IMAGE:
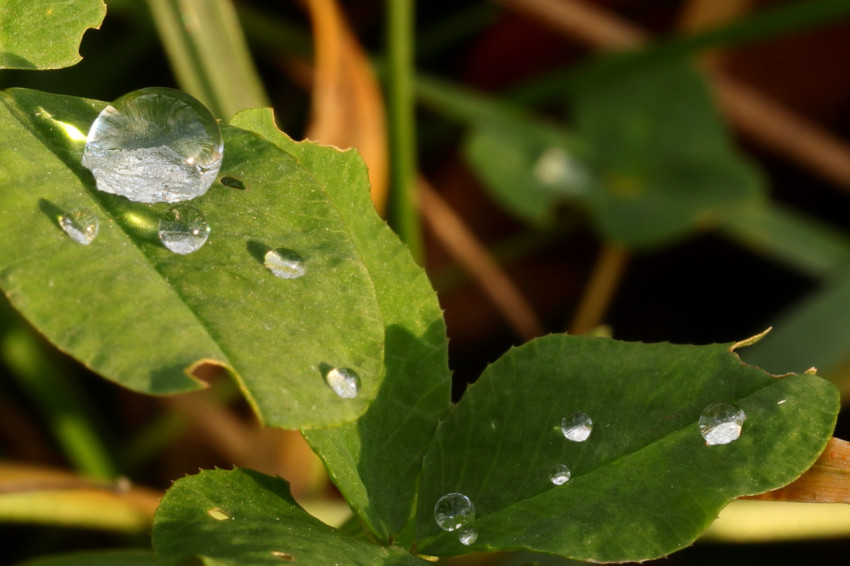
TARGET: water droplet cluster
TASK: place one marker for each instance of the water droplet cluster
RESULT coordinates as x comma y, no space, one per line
161,145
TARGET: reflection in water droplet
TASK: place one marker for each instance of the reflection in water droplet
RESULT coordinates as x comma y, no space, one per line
218,514
285,556
284,263
183,229
577,427
467,536
154,145
80,224
453,511
345,382
721,423
559,474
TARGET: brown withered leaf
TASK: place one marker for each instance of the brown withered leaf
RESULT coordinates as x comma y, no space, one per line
827,481
348,110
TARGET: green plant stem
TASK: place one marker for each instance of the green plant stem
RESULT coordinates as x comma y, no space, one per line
209,54
49,385
402,130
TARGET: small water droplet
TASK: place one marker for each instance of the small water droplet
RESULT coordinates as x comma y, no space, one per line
345,382
284,263
285,556
577,427
721,423
183,229
782,402
560,474
218,514
154,145
453,511
80,224
467,536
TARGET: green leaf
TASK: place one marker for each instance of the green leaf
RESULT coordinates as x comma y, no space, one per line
662,154
45,34
376,461
245,518
644,483
98,558
143,316
529,169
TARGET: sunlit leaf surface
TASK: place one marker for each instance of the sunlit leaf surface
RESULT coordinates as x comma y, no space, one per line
143,316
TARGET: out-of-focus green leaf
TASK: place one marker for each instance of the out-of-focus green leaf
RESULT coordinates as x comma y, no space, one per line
143,316
661,153
782,18
645,483
245,518
801,242
98,558
45,34
529,169
376,461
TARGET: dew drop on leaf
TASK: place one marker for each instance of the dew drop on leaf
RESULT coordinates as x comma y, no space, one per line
218,514
154,145
453,511
80,224
559,475
468,536
284,263
344,382
721,423
183,229
577,427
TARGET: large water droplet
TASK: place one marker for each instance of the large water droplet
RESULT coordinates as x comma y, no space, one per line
453,511
559,475
218,514
577,427
345,382
183,229
284,263
154,145
721,423
80,224
467,536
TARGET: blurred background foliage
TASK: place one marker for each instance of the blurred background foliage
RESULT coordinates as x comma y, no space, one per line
654,170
